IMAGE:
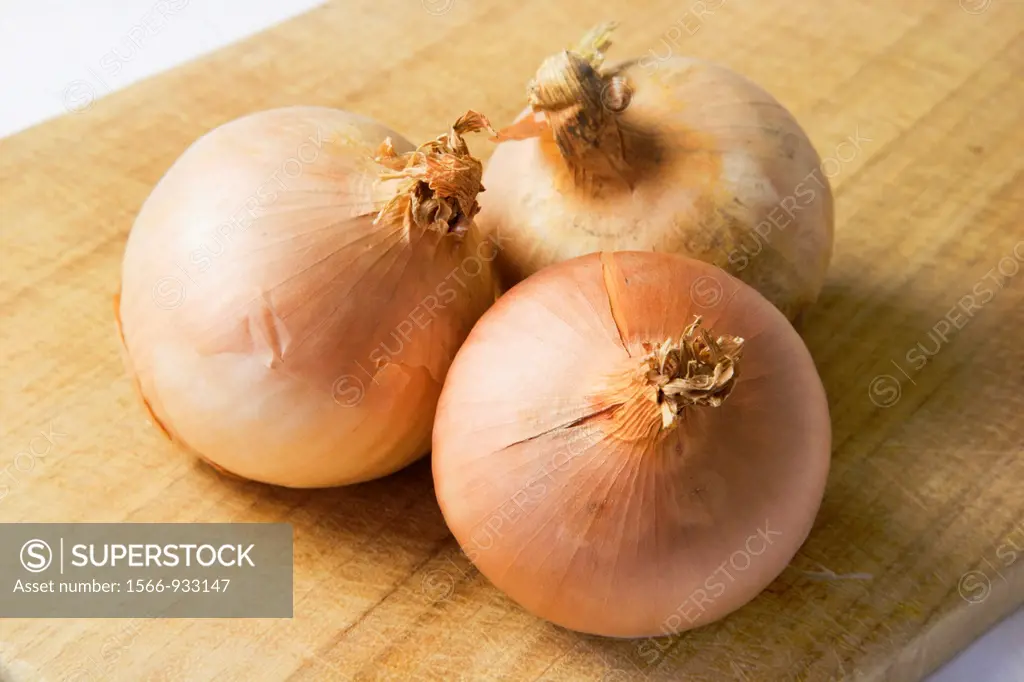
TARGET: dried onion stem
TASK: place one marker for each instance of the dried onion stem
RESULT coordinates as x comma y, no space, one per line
697,370
442,179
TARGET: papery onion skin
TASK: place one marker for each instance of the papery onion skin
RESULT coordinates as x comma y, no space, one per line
305,346
558,480
694,159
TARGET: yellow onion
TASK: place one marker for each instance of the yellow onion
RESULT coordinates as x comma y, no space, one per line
624,458
679,155
295,288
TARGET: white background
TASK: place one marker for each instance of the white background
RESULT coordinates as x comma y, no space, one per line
50,61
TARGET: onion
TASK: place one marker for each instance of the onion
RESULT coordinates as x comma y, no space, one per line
295,288
615,467
680,155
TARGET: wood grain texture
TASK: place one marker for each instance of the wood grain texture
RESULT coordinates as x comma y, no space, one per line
928,461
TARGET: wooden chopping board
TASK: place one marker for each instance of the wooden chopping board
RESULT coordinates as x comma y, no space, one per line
916,105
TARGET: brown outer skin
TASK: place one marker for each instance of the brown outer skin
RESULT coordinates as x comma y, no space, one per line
714,155
551,472
266,362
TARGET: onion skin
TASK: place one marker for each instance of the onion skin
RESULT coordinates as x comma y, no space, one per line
268,346
699,161
556,476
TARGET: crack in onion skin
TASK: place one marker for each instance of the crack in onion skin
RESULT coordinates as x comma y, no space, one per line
559,479
275,310
680,156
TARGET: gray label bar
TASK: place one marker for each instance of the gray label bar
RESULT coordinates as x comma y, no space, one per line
145,570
